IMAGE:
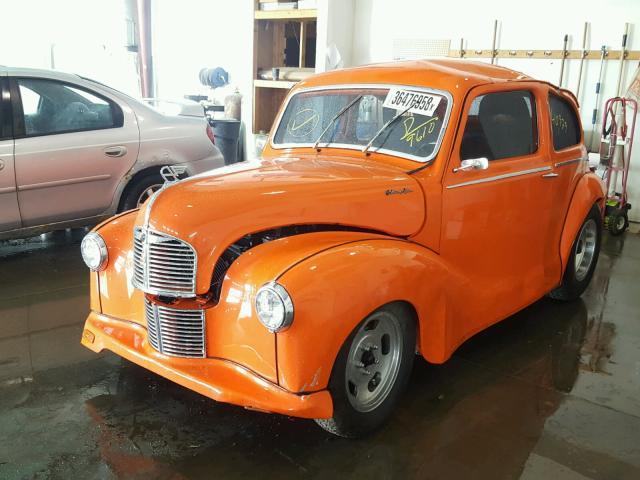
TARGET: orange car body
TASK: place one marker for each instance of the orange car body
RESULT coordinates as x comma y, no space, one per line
465,249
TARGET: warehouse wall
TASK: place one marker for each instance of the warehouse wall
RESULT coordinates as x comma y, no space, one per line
87,37
538,25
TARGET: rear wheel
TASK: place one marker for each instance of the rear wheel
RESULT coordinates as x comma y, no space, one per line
140,191
617,221
583,259
371,371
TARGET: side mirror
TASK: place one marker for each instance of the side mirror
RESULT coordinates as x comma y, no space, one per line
472,164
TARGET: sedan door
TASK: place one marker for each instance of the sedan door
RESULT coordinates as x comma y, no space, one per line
73,146
9,211
498,228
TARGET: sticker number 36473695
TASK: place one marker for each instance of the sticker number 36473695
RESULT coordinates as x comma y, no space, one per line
420,103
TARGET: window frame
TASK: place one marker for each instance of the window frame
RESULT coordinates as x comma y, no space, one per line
535,116
6,114
576,117
18,114
351,86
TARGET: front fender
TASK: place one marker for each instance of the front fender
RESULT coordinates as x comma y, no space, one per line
589,190
335,289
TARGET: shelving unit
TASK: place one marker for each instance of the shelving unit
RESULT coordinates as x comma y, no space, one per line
283,39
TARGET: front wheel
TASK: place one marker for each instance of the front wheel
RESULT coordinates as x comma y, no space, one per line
371,371
583,259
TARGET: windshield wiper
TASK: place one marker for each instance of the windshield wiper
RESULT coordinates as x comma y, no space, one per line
383,128
335,117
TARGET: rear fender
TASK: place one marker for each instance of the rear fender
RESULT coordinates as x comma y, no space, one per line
336,289
588,192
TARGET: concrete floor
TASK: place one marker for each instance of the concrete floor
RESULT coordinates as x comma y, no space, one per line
552,392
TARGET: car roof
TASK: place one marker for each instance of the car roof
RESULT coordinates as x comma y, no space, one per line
446,74
39,72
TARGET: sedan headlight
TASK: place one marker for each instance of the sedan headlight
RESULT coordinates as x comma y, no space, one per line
94,251
274,307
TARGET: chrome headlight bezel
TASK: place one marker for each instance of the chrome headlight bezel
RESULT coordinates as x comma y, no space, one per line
94,240
280,294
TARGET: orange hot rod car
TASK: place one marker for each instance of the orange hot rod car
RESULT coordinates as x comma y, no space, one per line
397,209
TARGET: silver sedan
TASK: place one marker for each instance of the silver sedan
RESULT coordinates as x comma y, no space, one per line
74,151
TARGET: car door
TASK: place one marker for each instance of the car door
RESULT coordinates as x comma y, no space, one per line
73,145
496,220
9,211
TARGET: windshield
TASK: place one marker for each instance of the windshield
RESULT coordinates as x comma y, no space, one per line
416,134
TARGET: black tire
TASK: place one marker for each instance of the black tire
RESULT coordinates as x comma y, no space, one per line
349,422
573,284
617,221
132,192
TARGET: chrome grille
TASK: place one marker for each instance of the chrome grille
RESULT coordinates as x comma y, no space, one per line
178,333
162,264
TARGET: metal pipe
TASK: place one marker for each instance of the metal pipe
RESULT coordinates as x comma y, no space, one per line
594,117
584,54
564,57
493,45
623,52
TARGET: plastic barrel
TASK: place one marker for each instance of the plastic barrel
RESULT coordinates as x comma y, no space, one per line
227,133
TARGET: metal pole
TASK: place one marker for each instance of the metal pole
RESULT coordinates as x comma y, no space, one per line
564,57
594,117
584,54
493,46
623,55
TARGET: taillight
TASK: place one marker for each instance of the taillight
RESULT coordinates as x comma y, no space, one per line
210,134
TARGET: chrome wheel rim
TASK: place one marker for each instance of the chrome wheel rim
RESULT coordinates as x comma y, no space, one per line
585,249
147,192
373,362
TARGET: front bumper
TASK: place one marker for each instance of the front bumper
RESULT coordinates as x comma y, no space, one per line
219,379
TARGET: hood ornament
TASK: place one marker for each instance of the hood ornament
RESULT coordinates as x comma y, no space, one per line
171,173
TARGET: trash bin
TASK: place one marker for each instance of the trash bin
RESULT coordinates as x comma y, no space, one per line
227,134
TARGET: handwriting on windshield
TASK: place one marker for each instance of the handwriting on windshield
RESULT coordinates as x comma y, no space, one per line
559,122
303,122
416,134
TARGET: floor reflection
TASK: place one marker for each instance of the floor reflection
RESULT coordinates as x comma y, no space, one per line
554,387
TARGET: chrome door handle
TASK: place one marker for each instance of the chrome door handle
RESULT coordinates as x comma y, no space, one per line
550,175
115,151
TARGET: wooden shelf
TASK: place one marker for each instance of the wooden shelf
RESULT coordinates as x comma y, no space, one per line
274,83
293,14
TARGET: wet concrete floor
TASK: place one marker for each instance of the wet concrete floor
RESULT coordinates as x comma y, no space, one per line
551,393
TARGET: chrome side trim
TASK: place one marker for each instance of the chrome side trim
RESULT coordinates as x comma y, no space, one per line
7,189
500,177
569,162
59,183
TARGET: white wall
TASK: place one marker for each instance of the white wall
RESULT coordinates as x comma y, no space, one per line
537,25
87,37
195,34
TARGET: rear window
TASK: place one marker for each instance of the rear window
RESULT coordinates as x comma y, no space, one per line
415,134
565,125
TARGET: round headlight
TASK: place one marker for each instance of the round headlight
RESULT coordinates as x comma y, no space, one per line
94,251
274,307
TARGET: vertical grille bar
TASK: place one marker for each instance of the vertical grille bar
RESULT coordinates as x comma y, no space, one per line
174,332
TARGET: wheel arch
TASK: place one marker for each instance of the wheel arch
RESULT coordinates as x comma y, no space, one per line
333,294
130,182
589,192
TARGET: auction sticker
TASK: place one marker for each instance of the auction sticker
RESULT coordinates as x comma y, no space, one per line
417,102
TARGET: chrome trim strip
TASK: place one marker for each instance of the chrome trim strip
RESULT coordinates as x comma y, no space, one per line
500,177
58,183
569,162
394,153
7,189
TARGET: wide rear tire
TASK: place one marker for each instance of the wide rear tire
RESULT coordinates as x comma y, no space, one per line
583,259
371,371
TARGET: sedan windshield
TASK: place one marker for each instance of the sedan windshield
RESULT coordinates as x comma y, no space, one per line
367,124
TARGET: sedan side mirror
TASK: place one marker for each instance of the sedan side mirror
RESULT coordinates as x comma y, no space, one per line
481,163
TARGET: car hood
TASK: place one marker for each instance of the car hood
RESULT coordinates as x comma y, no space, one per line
213,210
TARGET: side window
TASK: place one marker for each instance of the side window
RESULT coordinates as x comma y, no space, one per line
501,125
565,125
51,107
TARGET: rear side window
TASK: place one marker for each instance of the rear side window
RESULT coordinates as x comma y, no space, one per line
51,107
501,125
565,126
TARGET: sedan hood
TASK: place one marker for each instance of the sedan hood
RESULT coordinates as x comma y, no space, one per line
211,211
